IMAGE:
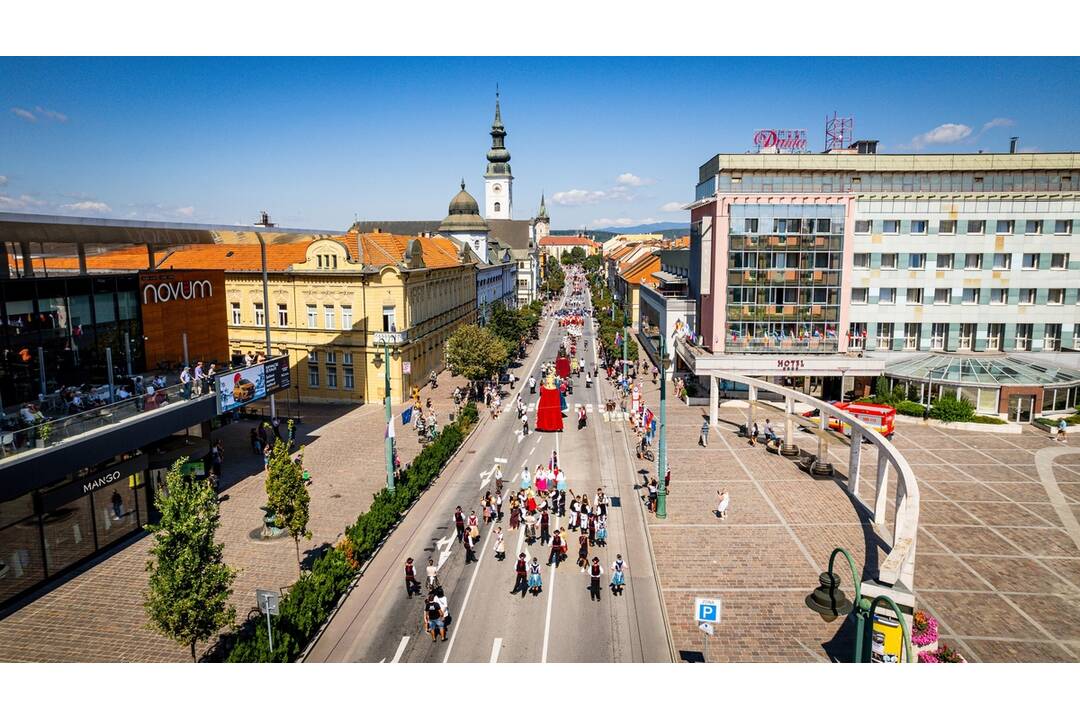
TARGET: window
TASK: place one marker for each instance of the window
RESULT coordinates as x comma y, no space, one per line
1005,227
890,227
888,261
861,260
858,296
944,261
973,261
328,317
235,313
856,335
823,225
971,296
1023,336
1027,296
750,226
976,227
918,227
967,336
1055,296
1076,337
498,207
1059,261
939,336
917,261
347,367
282,315
1031,261
1002,261
1033,227
862,227
887,296
313,369
914,296
1062,227
947,227
388,324
884,335
942,296
346,317
260,316
312,316
995,336
331,368
911,336
997,296
1052,337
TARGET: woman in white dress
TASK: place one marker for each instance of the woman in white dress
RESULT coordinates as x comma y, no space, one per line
723,499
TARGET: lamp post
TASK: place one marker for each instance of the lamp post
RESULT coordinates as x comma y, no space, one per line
661,460
265,223
387,339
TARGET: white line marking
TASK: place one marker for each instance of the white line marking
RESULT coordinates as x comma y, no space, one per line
445,552
382,661
502,461
539,439
495,647
550,590
532,451
400,649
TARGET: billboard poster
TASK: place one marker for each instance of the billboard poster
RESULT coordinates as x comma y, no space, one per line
277,374
236,388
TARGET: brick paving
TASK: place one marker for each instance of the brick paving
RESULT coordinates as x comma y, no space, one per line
994,562
97,615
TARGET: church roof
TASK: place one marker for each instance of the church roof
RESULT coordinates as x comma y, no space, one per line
512,233
464,214
498,156
542,215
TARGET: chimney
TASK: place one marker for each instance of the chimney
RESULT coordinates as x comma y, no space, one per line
1012,144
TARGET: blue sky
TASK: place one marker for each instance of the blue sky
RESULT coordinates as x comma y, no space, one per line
610,140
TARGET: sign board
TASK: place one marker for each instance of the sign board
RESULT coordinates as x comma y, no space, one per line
388,338
706,628
790,140
93,481
236,388
886,640
406,367
278,376
268,601
707,610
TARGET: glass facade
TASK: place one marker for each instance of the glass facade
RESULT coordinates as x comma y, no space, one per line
832,182
785,269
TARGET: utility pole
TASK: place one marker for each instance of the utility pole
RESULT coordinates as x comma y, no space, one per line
389,418
661,459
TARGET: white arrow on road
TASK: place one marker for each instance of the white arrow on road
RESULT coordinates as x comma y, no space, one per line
444,554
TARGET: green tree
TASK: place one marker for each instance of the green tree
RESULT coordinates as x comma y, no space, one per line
190,584
287,495
565,257
577,256
592,264
475,352
554,277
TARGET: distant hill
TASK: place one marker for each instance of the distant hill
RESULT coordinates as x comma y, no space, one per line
679,228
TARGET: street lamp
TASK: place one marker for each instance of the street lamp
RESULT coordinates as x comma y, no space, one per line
661,467
388,339
828,600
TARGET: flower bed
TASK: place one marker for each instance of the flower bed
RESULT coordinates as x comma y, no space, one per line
944,654
924,632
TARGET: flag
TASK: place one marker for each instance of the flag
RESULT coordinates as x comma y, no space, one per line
390,428
406,417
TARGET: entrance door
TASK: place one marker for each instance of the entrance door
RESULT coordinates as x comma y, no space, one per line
1020,408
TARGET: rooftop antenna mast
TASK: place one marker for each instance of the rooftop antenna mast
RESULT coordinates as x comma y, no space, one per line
839,132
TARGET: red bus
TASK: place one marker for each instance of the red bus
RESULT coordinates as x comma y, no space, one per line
880,417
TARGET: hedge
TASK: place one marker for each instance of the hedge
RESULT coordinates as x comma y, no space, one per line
311,599
988,420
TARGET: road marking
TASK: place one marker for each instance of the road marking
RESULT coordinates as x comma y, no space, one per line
495,647
550,590
538,439
400,649
485,477
444,554
382,661
532,451
501,461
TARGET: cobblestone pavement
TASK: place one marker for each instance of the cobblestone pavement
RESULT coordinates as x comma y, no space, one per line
994,562
97,615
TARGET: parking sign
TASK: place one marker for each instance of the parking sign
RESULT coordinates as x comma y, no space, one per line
707,610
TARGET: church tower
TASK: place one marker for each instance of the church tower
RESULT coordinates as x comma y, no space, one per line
542,223
498,182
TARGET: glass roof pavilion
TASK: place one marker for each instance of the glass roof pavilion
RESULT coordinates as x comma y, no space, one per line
987,371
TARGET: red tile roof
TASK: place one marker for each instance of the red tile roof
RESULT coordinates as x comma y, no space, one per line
550,240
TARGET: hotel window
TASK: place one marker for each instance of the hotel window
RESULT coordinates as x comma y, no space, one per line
282,315
858,296
1062,227
998,296
1027,296
995,336
388,324
939,336
1076,337
890,227
331,368
1031,261
1059,261
312,316
914,296
1005,227
862,227
942,296
861,261
916,261
971,296
967,336
235,313
1023,336
888,261
260,316
1002,261
346,317
944,261
976,227
347,367
1052,336
973,261
946,227
1055,296
918,227
887,296
328,316
857,335
750,226
313,369
1033,227
911,335
884,335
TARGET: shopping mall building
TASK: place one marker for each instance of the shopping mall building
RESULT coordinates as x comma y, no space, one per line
950,273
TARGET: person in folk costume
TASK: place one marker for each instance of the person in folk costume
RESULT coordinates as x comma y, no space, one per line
487,508
581,419
524,425
583,514
411,584
545,527
601,530
473,521
560,485
515,514
498,480
596,570
618,579
530,504
601,502
521,572
459,524
541,481
526,481
575,509
592,529
470,546
432,574
583,552
498,507
562,503
536,581
555,556
500,544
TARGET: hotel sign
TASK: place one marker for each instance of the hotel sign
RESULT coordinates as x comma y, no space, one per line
177,290
791,140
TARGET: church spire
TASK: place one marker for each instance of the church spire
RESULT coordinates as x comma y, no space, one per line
542,215
498,156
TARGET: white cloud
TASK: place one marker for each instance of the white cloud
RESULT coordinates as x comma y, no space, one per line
632,180
673,206
946,134
185,211
23,202
24,114
578,197
3,180
87,206
998,122
52,114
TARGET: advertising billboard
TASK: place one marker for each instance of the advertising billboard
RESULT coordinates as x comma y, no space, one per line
236,388
277,374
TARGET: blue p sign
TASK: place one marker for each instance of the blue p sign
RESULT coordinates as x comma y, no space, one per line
707,610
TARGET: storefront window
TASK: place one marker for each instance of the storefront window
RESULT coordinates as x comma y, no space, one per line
988,401
116,510
21,563
69,534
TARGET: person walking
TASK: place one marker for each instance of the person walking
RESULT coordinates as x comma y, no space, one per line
536,580
498,507
524,425
592,529
618,579
185,378
596,570
703,439
515,514
723,500
1062,427
470,546
432,574
433,615
200,378
411,585
473,521
500,544
556,549
498,482
526,481
583,552
459,523
601,531
545,526
521,572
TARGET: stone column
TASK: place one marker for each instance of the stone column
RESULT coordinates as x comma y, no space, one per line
853,461
751,398
714,399
788,448
880,488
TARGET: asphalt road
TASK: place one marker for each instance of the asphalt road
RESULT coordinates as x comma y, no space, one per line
378,623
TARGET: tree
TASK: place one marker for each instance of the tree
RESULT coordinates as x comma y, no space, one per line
565,257
554,277
190,583
577,256
287,496
475,352
592,264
